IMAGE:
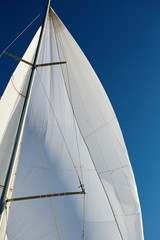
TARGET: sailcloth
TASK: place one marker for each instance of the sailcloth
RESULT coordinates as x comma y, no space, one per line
72,140
11,105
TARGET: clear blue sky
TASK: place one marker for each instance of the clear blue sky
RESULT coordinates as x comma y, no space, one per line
121,39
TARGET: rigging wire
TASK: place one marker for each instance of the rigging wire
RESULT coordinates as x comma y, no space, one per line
20,34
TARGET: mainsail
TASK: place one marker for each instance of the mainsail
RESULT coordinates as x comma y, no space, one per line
71,142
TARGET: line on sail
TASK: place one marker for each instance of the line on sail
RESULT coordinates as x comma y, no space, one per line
79,157
1,186
114,169
45,171
12,78
81,183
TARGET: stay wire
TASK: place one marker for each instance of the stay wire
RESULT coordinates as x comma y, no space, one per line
19,34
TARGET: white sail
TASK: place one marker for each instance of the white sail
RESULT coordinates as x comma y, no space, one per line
72,136
11,105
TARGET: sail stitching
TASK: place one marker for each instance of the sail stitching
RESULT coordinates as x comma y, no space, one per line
45,170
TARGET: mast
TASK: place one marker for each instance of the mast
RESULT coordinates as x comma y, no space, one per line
22,119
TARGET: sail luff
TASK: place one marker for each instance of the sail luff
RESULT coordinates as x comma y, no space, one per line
17,144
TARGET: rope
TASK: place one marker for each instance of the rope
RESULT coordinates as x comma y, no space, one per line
19,35
45,171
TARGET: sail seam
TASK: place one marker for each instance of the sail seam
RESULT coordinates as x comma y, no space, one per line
114,169
100,127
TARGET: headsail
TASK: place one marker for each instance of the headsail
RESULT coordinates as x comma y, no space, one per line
11,105
72,139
